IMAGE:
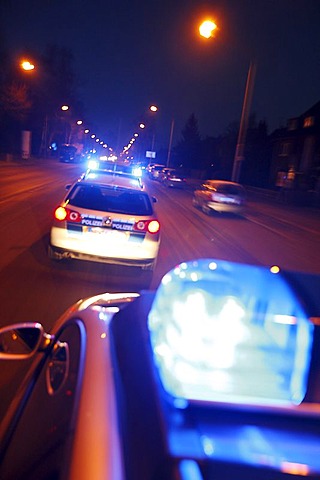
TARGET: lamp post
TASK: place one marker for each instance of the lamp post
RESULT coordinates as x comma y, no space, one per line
239,153
170,142
153,108
27,67
67,123
207,29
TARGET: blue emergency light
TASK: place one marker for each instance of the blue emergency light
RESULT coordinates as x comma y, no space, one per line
230,333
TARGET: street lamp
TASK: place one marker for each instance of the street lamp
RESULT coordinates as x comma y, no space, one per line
27,66
206,30
153,108
239,153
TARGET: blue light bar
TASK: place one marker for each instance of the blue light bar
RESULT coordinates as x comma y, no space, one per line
231,333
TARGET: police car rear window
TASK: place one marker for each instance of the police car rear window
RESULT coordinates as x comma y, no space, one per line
110,199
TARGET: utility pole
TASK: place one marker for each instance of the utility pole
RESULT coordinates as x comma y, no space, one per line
239,154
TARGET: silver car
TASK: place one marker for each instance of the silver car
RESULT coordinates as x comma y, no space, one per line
220,196
213,376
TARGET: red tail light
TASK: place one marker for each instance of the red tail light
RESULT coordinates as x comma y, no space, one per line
62,213
151,226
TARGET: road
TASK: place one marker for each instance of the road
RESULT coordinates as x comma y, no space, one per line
33,288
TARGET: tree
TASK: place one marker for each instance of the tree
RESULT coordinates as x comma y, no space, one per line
225,150
188,151
15,101
256,166
34,102
57,88
15,105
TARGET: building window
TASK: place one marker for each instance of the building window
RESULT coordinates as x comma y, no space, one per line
292,124
308,122
284,149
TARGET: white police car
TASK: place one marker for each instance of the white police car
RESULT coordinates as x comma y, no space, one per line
106,217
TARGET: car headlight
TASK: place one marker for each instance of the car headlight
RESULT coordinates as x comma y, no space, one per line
93,164
137,171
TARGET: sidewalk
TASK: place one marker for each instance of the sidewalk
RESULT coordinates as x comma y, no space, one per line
12,160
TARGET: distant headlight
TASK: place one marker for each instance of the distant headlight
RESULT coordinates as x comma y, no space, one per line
137,171
93,164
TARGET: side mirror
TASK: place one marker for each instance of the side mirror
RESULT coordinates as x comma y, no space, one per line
22,340
68,186
154,200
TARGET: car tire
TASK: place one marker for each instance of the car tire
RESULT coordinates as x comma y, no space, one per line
206,209
53,255
195,202
145,279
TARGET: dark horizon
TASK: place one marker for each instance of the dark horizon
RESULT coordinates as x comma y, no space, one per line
127,57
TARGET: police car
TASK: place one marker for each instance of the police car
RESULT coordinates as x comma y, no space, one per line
106,217
215,376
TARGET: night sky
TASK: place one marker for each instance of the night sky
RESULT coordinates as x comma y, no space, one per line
131,54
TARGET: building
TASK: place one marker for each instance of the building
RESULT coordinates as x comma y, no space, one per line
297,148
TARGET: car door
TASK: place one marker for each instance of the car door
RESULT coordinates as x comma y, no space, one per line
39,443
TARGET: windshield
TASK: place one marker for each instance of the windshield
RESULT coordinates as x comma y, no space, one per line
110,199
229,189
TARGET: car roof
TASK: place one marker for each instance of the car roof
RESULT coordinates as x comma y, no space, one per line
223,182
110,177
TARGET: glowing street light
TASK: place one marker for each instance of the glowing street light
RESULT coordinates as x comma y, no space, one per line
65,108
27,66
207,28
153,108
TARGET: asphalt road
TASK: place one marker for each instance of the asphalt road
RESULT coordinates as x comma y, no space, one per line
33,288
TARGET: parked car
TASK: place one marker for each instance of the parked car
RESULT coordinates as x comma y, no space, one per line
174,178
163,173
215,376
106,217
220,196
156,171
68,154
149,167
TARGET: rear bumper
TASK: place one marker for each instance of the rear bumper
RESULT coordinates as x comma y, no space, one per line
62,254
96,248
225,207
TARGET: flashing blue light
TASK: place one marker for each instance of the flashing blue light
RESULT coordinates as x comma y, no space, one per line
93,164
137,171
227,332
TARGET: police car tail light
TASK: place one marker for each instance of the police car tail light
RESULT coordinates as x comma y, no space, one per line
151,226
62,213
230,333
